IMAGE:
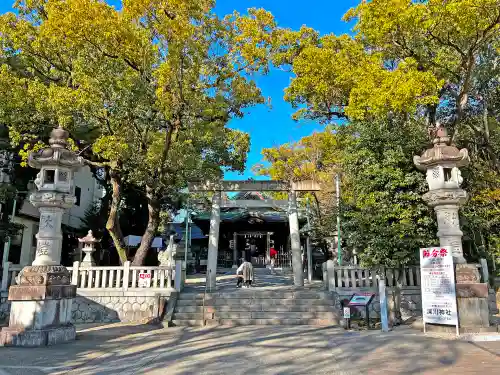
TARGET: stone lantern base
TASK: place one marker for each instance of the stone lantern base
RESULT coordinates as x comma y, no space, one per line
40,312
472,297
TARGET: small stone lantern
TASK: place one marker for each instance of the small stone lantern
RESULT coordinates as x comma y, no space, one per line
40,311
88,248
441,164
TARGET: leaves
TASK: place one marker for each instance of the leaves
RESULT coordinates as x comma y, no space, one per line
146,91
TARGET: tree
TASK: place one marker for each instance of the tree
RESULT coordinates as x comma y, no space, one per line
385,218
146,91
316,157
408,62
408,58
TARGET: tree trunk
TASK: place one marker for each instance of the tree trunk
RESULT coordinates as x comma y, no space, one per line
113,223
152,227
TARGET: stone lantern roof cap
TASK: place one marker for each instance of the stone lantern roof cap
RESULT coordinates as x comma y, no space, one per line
443,152
89,238
57,154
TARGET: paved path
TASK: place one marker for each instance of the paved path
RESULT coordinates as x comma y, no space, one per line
128,350
263,280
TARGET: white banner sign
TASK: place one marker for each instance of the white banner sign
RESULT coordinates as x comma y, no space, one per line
439,301
144,280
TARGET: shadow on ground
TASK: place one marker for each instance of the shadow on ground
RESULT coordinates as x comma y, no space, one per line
249,350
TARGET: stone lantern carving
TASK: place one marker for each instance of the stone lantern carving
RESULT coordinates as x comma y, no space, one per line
441,164
41,304
88,248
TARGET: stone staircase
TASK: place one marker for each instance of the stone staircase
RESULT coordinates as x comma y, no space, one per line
255,306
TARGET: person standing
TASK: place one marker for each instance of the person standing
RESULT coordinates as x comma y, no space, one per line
272,254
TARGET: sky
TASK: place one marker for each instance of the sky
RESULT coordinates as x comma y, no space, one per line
273,126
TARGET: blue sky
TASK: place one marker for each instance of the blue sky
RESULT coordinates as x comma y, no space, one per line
273,126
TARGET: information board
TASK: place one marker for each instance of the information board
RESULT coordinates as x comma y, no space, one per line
144,280
439,301
362,299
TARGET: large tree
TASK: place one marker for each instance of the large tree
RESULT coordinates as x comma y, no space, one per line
407,63
146,91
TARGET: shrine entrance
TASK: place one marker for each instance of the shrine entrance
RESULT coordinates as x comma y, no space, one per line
248,225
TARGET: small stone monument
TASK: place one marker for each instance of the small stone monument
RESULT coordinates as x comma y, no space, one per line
442,163
88,248
41,304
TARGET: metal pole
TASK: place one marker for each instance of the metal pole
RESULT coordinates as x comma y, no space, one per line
339,238
6,246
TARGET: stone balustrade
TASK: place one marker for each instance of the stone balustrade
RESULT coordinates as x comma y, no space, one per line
347,280
122,278
349,277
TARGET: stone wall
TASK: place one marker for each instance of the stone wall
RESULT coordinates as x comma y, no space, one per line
4,308
102,306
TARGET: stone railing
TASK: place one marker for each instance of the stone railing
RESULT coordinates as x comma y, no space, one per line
347,280
122,278
9,274
355,277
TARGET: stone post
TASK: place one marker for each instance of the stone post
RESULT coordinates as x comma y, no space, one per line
309,258
41,304
213,240
441,164
268,249
235,250
293,218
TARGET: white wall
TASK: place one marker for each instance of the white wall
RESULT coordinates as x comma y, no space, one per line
90,193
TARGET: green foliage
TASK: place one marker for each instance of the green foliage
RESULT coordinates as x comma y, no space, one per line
409,65
385,218
146,91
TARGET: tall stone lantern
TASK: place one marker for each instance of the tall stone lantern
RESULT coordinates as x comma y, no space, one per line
441,164
41,304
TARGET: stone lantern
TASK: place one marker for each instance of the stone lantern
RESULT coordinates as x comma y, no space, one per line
88,248
441,164
41,304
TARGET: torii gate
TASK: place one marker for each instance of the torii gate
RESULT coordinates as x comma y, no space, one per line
232,186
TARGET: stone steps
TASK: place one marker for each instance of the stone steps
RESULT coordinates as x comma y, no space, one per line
274,315
271,302
257,307
192,322
252,294
274,321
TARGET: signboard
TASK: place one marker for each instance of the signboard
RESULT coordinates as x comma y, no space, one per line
362,299
439,301
347,313
144,280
